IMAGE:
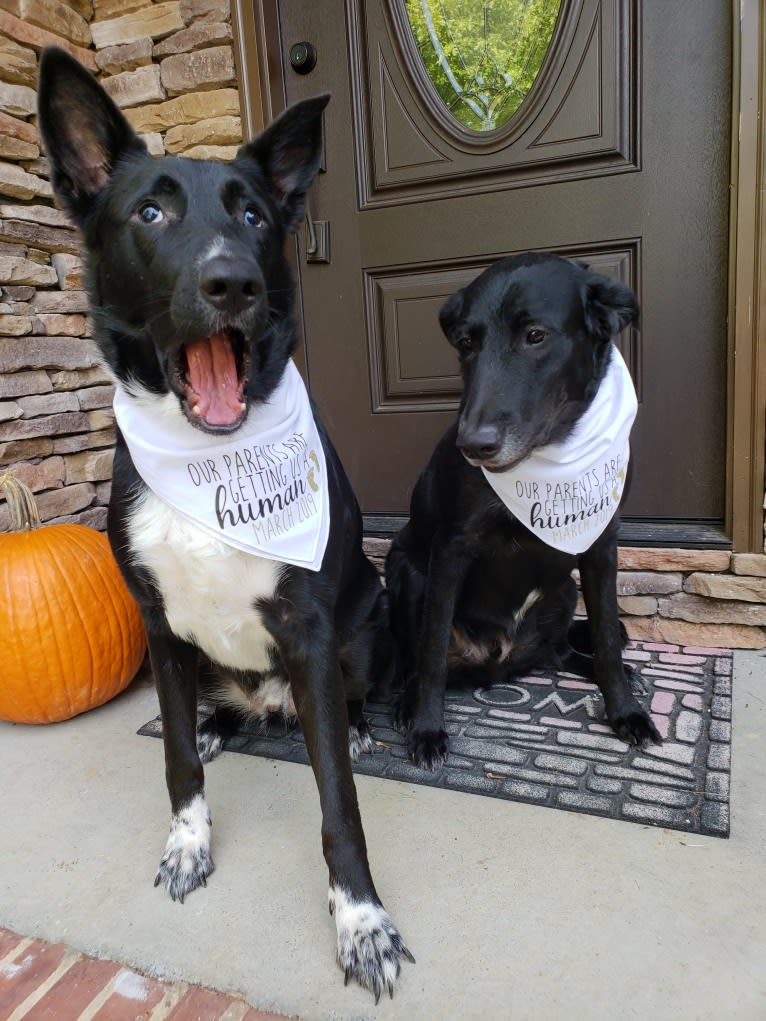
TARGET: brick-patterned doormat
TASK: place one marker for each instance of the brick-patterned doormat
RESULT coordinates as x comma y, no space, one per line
543,739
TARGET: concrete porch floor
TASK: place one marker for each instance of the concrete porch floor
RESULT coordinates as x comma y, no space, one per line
512,911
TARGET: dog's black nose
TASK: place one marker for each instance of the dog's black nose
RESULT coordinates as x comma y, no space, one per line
229,285
479,444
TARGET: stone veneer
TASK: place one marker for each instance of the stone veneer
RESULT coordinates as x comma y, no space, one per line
709,598
170,67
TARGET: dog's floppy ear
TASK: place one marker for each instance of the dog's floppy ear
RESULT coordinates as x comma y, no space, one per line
289,152
450,313
609,307
83,131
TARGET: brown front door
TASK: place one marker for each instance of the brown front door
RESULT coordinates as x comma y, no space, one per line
617,154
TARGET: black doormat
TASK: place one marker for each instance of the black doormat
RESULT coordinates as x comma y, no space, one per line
543,739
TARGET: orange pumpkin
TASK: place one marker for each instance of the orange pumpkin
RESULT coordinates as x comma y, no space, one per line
70,632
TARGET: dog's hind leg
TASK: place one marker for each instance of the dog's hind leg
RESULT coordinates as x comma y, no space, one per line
369,946
186,863
598,574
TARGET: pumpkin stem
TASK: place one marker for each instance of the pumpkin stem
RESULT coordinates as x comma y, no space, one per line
21,504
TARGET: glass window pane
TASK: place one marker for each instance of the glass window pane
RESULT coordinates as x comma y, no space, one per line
482,55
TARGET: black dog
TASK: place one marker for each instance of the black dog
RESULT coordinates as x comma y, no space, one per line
476,595
191,296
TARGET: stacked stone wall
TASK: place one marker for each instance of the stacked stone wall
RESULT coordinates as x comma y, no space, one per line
687,597
170,67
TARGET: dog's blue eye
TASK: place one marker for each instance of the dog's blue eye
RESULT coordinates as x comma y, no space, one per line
253,218
536,336
150,213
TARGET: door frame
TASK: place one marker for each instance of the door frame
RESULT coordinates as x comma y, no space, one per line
257,53
746,413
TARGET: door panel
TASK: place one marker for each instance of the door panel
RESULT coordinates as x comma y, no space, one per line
424,376
578,118
618,156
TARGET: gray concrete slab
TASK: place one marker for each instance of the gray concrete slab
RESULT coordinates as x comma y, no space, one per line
512,911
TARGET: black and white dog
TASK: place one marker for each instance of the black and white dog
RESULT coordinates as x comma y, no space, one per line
524,487
231,517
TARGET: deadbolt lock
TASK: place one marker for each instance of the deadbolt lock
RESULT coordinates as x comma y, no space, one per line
303,57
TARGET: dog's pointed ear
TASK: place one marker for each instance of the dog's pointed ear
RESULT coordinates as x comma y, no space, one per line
289,152
609,307
84,133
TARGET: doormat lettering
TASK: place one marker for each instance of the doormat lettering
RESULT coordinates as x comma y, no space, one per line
543,739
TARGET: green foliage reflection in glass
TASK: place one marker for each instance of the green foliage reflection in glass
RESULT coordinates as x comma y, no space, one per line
483,57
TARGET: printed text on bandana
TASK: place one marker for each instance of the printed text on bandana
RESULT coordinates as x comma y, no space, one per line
568,509
270,486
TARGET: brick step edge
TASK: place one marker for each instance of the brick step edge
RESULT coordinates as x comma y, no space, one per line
40,980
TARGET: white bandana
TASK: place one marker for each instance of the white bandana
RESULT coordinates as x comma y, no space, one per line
567,493
263,489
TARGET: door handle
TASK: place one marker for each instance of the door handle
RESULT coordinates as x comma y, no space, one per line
317,238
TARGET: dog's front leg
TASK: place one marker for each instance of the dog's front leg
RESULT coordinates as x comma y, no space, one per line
598,574
427,740
369,945
186,863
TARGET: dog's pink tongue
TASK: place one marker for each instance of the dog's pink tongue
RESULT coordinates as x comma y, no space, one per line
212,370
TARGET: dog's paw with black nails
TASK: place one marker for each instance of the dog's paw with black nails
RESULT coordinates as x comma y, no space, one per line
187,863
404,711
182,872
209,745
634,680
428,748
370,949
636,728
360,740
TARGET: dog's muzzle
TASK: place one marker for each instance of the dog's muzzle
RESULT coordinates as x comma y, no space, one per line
479,444
230,284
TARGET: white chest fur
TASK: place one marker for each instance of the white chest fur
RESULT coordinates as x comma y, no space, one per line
209,588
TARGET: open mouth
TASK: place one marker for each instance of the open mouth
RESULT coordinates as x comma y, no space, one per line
211,375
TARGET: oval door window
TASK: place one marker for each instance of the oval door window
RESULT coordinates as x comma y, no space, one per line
482,57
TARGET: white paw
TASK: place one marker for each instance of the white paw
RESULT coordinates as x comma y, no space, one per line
370,948
186,863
